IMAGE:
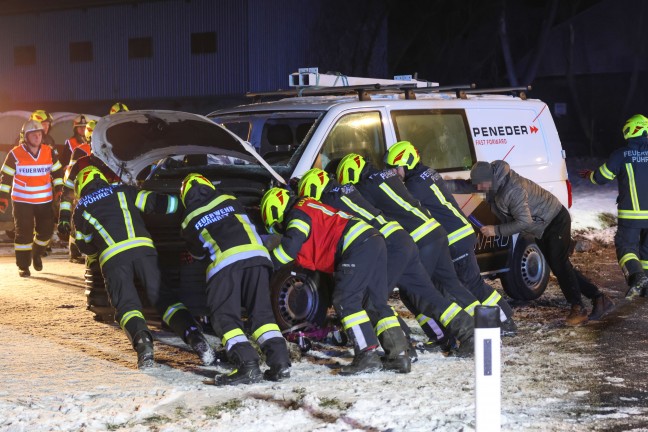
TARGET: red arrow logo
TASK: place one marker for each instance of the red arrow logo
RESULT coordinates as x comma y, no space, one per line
533,129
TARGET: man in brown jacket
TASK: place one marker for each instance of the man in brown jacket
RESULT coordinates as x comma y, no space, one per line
525,207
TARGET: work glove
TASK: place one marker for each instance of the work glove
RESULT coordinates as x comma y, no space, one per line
64,228
584,173
4,203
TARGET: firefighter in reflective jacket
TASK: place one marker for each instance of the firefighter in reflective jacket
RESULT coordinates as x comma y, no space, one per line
629,165
404,268
82,157
77,139
216,227
384,190
31,175
110,229
320,238
428,187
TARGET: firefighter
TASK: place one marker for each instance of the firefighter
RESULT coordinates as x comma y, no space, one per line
46,121
217,229
77,139
318,237
429,188
117,107
80,158
31,175
384,190
110,230
525,207
629,165
404,268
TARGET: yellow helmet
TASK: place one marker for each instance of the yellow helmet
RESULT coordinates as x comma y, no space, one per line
117,107
89,128
188,181
41,116
273,207
350,167
85,176
404,154
312,183
636,126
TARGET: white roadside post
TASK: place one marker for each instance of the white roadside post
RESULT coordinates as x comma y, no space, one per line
487,369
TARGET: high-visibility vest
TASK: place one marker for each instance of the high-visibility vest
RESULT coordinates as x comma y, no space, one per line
32,179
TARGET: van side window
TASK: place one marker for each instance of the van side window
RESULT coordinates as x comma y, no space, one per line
360,133
442,137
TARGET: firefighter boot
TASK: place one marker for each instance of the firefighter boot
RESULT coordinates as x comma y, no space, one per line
277,358
462,328
365,361
396,349
411,351
37,256
638,282
247,371
195,338
143,344
184,325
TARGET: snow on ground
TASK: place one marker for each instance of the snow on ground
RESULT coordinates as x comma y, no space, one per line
63,371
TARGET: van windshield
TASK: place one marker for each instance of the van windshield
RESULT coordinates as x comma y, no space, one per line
276,135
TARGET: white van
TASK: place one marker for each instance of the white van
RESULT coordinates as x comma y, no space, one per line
452,128
267,144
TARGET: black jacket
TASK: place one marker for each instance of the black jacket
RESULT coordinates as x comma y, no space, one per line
109,225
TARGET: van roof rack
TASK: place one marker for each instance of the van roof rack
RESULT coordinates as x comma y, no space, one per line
519,91
362,91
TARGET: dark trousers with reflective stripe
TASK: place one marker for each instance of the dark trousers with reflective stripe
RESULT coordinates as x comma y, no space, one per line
30,219
404,269
435,257
242,285
627,240
120,284
361,284
468,272
555,245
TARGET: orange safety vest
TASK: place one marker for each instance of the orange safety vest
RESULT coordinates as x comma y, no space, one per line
73,143
32,182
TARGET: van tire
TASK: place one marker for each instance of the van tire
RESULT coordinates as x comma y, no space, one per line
299,297
528,276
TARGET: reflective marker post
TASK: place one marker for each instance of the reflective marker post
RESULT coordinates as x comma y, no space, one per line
487,369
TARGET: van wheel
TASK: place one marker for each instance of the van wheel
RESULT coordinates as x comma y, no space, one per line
299,298
528,276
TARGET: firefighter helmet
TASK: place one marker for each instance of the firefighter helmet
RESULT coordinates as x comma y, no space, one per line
312,183
636,126
79,121
30,126
350,168
85,176
117,107
189,181
89,128
273,207
404,154
41,116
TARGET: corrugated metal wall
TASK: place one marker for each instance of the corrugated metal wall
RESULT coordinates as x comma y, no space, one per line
259,42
